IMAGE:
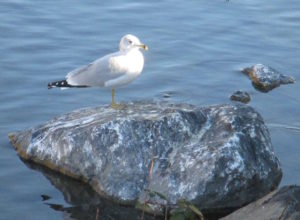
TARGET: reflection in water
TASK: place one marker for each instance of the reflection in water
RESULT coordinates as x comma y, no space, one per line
84,202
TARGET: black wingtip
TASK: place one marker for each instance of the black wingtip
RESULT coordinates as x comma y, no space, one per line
50,86
63,84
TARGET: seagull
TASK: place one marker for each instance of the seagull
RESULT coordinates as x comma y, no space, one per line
113,70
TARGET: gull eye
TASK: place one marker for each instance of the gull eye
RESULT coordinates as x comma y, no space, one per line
130,41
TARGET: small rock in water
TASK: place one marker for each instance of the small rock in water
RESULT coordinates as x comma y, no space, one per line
217,157
240,96
280,204
265,78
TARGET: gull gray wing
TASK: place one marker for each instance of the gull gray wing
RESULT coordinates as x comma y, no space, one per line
97,72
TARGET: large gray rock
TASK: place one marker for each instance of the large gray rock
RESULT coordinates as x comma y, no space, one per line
265,78
283,204
217,156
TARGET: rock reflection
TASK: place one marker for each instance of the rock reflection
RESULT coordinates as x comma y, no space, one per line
85,203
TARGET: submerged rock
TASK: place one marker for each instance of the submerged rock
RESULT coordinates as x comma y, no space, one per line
216,157
281,204
265,78
240,96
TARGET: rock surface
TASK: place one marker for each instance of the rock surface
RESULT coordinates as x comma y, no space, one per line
281,204
240,96
217,156
265,78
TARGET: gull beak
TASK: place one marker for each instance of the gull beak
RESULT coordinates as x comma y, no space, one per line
143,46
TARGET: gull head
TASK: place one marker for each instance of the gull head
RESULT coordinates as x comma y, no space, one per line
129,42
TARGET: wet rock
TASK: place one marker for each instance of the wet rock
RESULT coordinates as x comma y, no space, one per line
217,157
265,78
281,204
81,201
240,96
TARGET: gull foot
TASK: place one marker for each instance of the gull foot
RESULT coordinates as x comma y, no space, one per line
117,106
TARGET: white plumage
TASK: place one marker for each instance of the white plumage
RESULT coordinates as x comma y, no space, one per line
113,70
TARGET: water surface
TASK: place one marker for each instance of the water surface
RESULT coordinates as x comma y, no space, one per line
197,49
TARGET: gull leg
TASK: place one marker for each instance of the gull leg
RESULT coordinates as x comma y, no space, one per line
113,104
113,97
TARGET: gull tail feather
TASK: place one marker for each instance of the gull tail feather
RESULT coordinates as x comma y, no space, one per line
63,84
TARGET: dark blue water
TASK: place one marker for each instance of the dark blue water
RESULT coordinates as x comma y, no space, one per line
197,49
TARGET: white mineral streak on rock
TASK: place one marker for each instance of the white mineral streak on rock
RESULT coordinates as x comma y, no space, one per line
116,128
182,189
87,150
184,126
238,162
252,131
140,166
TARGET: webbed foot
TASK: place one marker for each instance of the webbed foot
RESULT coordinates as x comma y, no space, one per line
117,106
